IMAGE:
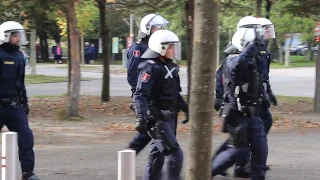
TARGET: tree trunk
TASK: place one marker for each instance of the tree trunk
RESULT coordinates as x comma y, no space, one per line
280,51
202,89
105,95
287,53
317,90
33,54
259,5
189,18
268,8
69,56
309,52
73,109
44,48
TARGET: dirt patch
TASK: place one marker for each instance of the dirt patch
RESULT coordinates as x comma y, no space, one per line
116,115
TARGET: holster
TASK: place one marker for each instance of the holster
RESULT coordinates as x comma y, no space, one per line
226,113
238,136
160,129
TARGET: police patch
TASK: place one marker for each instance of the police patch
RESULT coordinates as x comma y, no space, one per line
145,77
136,53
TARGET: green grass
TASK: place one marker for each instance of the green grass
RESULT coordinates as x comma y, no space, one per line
293,99
48,96
85,66
295,61
40,79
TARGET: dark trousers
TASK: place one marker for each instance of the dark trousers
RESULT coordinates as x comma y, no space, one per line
15,118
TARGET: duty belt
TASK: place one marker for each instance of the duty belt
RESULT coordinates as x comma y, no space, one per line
7,102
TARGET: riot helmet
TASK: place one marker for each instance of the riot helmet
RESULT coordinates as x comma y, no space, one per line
151,21
13,33
243,37
159,44
268,27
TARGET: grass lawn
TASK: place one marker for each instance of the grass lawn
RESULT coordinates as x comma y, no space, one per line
40,79
295,61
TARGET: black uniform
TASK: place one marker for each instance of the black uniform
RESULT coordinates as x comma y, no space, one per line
159,85
241,82
14,103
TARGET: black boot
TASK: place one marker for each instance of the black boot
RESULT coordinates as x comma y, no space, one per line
242,172
267,168
29,176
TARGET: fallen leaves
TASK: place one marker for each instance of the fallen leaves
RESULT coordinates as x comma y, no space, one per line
117,116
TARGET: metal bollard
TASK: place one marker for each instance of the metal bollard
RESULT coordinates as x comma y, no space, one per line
9,156
127,165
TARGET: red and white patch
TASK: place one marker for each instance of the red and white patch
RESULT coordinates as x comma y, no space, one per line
136,53
145,77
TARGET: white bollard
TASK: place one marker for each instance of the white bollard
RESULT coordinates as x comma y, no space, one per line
9,156
127,165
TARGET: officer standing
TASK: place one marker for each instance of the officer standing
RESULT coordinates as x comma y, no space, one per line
149,24
13,96
159,82
241,101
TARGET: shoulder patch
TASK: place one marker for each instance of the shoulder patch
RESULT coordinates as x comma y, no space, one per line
145,77
136,53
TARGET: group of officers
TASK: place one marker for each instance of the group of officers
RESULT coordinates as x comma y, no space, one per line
243,98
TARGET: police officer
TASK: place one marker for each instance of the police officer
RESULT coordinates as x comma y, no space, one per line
13,96
265,60
242,168
149,24
241,84
159,82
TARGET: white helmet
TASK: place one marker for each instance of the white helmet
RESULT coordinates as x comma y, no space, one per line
268,26
159,43
248,22
148,22
243,37
9,27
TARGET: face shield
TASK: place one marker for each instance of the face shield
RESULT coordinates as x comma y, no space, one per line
269,31
16,37
157,23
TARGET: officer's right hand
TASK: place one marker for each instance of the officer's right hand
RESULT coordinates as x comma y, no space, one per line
218,103
141,125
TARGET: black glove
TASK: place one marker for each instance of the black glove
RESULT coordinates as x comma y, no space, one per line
26,107
218,103
273,98
187,118
141,125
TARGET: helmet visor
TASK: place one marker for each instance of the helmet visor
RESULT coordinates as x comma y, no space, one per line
269,31
17,37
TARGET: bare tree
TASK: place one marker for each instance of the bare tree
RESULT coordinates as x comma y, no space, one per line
202,89
73,96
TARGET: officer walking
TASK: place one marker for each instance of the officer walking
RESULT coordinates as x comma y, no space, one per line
148,25
159,83
242,168
13,96
241,84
